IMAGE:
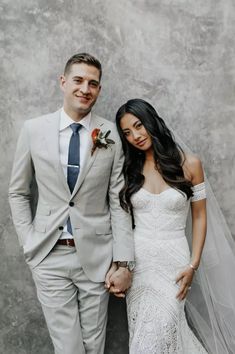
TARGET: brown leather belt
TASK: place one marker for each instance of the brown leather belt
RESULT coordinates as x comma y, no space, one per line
66,242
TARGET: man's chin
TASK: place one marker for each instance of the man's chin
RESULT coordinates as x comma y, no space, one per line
84,108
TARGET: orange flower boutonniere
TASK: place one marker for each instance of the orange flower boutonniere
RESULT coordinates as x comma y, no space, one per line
100,139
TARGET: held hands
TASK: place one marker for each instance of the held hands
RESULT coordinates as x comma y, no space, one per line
118,280
184,279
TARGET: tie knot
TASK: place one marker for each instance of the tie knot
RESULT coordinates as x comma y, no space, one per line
75,127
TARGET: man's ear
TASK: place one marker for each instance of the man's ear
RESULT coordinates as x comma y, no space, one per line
62,82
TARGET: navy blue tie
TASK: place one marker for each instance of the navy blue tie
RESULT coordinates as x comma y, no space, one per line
73,167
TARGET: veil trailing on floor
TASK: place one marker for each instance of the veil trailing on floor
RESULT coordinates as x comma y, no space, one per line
210,305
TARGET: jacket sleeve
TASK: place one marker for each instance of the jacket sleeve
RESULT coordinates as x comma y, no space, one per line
19,189
123,242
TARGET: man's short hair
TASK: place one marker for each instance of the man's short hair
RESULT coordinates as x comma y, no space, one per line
83,58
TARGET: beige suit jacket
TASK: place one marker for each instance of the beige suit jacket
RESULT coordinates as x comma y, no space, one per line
101,229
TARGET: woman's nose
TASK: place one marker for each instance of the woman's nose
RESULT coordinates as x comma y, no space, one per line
136,135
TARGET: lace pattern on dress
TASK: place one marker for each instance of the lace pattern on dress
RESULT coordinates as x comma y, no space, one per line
157,321
199,192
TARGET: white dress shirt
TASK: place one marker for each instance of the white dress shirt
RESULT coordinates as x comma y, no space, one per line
65,133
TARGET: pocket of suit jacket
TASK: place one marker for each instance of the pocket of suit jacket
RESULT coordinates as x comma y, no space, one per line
103,230
41,217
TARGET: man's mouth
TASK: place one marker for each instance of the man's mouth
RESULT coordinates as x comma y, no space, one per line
83,98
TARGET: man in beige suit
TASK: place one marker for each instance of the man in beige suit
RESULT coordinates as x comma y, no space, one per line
80,236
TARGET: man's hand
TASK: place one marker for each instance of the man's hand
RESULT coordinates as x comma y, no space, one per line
112,269
120,281
110,286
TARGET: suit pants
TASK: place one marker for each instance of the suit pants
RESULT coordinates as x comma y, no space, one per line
75,308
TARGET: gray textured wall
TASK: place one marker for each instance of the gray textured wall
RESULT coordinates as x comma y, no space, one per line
177,54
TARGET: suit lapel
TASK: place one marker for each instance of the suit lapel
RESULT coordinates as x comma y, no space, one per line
52,141
89,159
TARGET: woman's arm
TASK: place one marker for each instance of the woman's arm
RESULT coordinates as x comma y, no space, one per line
194,171
198,209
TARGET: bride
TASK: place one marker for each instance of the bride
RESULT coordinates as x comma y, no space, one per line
161,183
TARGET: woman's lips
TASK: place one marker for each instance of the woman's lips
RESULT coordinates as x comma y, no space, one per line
142,142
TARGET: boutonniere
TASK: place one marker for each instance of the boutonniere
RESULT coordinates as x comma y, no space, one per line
100,139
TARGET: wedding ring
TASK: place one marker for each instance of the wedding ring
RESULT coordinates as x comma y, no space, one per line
189,288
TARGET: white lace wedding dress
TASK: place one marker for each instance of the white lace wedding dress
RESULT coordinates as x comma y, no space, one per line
157,322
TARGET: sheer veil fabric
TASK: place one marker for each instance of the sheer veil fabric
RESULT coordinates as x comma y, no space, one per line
210,305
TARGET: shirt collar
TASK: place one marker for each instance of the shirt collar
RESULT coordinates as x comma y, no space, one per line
66,121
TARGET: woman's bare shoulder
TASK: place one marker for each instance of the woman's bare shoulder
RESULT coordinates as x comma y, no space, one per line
192,167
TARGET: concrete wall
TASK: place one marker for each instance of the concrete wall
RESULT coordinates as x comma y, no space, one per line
176,54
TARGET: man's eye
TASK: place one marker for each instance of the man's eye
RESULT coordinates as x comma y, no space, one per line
93,84
77,81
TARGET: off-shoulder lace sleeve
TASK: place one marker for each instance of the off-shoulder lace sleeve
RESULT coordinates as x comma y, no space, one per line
199,192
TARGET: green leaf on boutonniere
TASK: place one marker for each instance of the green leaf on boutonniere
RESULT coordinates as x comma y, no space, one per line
107,134
110,141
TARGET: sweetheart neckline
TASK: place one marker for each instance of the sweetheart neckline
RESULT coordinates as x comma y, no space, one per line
156,194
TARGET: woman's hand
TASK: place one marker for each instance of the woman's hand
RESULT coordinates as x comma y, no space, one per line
185,279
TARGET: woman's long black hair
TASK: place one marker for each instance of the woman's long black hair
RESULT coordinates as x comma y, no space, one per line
168,155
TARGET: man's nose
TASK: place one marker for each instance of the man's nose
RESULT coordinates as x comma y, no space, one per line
85,87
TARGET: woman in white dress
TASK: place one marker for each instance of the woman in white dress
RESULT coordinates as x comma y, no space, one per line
161,183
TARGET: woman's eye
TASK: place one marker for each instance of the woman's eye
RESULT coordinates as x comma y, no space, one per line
126,133
139,125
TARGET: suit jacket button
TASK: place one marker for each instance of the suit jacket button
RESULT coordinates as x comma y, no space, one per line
61,227
71,204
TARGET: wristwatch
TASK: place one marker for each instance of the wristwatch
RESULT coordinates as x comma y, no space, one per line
130,265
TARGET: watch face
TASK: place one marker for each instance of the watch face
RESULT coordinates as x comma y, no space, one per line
131,265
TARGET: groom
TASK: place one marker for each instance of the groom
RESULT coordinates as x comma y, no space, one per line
79,236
